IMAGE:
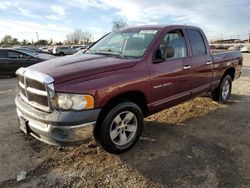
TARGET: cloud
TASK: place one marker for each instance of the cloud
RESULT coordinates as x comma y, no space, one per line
221,17
4,5
27,13
226,18
86,4
58,10
27,30
53,17
58,13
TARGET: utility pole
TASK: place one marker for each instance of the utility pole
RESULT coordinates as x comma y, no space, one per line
248,37
37,36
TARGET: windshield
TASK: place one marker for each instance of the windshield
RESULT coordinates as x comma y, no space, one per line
125,43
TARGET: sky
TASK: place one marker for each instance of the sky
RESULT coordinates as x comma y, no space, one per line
54,19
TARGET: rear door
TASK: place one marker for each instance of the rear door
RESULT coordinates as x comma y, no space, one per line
202,62
170,83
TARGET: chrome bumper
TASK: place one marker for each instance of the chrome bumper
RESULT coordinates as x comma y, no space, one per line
55,131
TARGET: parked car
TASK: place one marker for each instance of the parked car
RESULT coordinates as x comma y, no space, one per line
12,59
37,50
245,49
235,48
77,46
124,77
63,50
212,47
81,48
45,56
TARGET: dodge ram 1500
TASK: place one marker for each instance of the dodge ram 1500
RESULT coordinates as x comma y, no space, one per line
125,76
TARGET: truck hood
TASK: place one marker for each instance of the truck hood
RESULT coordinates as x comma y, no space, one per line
72,67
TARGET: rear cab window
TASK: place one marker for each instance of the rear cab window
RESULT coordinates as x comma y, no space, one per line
197,42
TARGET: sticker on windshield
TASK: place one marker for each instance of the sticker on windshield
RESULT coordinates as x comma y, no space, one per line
148,31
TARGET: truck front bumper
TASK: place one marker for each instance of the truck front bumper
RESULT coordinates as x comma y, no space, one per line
61,128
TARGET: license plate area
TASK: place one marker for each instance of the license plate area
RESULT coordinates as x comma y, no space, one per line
23,123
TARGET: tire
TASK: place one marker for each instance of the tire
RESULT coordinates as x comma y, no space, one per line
223,92
61,54
120,128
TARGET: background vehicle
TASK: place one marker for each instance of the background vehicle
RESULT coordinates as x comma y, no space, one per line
11,60
124,77
45,56
63,50
234,48
245,49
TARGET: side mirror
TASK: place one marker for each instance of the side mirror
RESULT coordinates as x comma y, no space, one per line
162,54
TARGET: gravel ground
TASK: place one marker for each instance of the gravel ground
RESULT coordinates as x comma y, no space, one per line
197,144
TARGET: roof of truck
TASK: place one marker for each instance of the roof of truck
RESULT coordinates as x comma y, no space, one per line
161,26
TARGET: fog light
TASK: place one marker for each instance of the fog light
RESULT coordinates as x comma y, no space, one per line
60,133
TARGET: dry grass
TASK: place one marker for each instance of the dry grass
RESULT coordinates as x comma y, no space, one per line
197,107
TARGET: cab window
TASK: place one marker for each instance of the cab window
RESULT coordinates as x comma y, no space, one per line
197,42
175,39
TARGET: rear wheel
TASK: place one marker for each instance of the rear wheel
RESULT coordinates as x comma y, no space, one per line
223,92
121,127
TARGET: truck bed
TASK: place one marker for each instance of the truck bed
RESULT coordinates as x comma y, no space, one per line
223,56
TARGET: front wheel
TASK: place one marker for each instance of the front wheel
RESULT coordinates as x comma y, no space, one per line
121,128
223,92
61,54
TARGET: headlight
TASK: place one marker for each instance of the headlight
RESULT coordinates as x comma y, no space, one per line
75,102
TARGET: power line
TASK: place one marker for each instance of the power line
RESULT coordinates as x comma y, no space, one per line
42,28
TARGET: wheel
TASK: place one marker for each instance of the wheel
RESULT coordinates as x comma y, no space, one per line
223,92
121,128
61,54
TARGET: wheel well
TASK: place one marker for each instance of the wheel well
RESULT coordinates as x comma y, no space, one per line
133,96
230,72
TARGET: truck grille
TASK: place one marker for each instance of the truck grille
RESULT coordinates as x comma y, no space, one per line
34,92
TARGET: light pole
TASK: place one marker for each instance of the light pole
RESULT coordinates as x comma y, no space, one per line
37,36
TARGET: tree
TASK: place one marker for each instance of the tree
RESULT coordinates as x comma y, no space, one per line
8,40
24,42
119,24
79,37
41,42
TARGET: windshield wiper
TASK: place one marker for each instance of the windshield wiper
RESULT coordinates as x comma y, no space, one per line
110,52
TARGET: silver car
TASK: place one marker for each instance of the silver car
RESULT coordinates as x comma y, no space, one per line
63,50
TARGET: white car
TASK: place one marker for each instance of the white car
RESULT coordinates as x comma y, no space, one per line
63,50
245,49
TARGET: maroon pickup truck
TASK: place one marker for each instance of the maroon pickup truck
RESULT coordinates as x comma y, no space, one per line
127,75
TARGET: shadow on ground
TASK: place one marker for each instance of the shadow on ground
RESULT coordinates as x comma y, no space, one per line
196,154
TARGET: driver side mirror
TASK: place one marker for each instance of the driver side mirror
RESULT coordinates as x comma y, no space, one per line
163,53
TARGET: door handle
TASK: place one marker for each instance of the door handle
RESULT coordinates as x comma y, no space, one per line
186,67
209,62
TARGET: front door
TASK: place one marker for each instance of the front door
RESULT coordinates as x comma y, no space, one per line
169,81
